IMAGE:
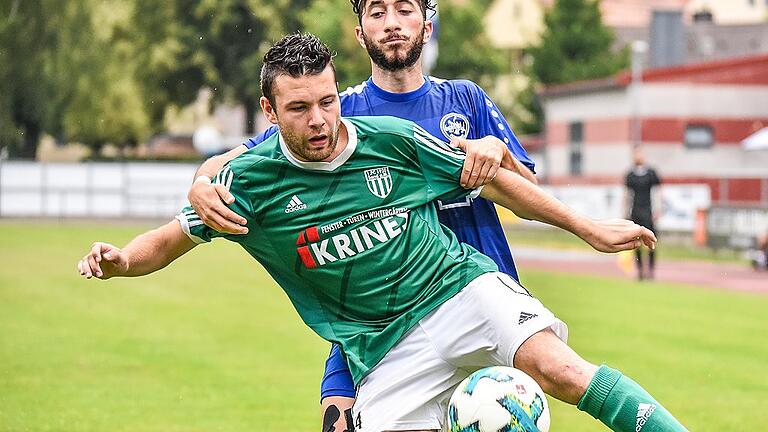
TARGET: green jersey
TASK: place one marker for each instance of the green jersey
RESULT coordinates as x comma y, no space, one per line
355,242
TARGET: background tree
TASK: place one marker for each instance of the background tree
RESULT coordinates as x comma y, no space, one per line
576,45
235,35
337,30
25,64
464,49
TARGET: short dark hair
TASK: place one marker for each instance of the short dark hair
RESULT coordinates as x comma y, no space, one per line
359,5
295,55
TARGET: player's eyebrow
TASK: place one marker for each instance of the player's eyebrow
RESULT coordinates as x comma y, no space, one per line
375,3
380,3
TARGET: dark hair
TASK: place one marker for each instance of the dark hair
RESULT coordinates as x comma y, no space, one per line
359,5
294,55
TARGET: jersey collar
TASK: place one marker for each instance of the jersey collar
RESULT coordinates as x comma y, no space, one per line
325,166
399,97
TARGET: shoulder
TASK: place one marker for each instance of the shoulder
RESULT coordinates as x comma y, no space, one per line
353,91
243,166
459,86
377,125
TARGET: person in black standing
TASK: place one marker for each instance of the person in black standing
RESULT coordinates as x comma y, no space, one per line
640,181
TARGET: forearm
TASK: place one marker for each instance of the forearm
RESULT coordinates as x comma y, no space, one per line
156,249
510,162
214,164
529,201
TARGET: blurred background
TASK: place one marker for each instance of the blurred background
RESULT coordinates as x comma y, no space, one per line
108,106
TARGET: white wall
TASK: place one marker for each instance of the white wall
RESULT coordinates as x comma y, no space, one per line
32,189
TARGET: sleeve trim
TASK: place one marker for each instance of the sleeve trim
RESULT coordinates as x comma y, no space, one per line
186,225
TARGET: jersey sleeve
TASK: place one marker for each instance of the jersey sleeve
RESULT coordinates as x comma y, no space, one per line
337,380
441,164
655,179
490,121
194,227
258,139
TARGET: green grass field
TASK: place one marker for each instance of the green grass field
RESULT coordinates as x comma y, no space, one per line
211,344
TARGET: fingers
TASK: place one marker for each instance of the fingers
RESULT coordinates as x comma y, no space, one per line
224,220
207,202
481,164
468,172
224,194
94,258
648,238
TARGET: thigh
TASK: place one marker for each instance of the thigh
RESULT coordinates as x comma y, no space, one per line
486,323
408,390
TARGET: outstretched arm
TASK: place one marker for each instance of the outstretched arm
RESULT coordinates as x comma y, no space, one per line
531,202
145,254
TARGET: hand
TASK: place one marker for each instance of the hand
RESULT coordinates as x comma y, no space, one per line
103,261
208,201
484,157
615,235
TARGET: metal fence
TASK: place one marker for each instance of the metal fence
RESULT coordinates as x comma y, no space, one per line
93,189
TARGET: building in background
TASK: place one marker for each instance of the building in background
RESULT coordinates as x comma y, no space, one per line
691,121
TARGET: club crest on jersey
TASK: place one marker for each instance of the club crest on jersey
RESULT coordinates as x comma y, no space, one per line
379,181
454,125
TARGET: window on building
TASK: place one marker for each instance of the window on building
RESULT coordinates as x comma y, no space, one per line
699,136
576,138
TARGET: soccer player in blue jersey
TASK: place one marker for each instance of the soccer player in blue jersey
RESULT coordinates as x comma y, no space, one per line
393,33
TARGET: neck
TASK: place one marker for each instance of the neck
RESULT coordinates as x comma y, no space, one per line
341,144
399,81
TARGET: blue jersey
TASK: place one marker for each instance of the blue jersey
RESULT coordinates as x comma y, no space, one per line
455,108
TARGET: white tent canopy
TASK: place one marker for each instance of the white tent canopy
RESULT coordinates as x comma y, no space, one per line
756,141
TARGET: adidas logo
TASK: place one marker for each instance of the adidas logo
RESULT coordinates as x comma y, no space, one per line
294,205
644,412
525,316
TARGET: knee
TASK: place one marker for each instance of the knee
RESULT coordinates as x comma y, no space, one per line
571,376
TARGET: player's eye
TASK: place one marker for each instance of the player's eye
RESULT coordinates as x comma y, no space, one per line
377,14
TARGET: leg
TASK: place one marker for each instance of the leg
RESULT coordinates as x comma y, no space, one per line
651,263
560,372
639,263
337,414
606,394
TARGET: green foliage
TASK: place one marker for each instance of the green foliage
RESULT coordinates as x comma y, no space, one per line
25,63
527,115
464,49
334,23
576,45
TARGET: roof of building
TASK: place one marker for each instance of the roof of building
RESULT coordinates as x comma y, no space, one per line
752,70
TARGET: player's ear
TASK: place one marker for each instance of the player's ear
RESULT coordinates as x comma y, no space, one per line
428,28
359,36
269,111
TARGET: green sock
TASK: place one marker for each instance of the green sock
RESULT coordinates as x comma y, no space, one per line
622,405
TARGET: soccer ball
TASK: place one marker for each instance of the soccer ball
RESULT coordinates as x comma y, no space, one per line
498,399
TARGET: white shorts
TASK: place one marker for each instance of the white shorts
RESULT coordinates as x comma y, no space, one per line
483,325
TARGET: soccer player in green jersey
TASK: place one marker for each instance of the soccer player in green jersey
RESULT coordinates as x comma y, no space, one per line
339,218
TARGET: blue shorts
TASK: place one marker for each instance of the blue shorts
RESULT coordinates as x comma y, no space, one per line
337,380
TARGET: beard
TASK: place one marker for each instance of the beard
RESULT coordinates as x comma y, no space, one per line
301,148
396,62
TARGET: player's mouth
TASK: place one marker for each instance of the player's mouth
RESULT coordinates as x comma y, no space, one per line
319,140
393,40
